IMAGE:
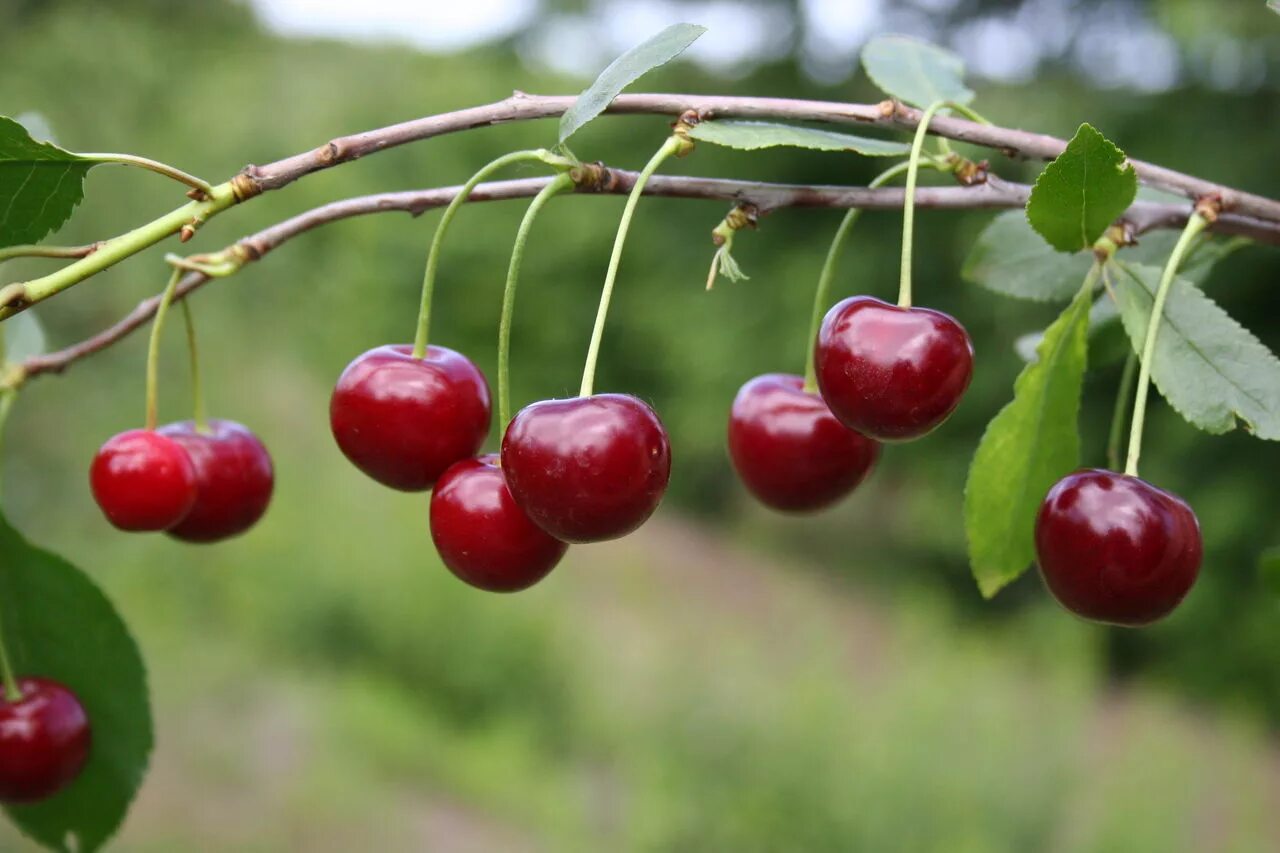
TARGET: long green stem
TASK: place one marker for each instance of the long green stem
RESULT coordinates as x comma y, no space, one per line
15,297
671,146
909,201
153,349
433,255
197,387
1195,224
834,252
153,166
12,693
558,184
1116,437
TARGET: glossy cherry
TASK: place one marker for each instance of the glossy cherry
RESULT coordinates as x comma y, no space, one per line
889,372
404,420
44,741
482,535
234,479
587,468
788,448
1115,548
143,480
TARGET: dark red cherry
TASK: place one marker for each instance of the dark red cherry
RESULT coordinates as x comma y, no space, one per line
788,448
482,536
404,420
587,468
44,741
888,372
143,480
234,479
1115,548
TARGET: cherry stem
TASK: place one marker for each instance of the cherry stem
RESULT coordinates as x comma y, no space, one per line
12,693
154,166
673,144
433,255
909,200
828,274
559,184
1116,438
10,252
197,387
153,348
1195,224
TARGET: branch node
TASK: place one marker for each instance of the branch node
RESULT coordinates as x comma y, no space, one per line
14,297
888,107
1209,207
244,185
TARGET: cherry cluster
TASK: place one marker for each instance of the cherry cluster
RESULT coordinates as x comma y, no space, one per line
578,470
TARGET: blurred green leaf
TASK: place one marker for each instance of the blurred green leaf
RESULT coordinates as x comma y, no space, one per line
625,70
1032,442
59,625
1081,192
914,71
1211,369
40,185
1274,6
1269,565
752,135
23,337
1011,259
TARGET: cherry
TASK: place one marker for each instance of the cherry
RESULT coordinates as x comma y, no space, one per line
143,480
889,372
404,420
234,479
482,535
789,449
44,741
1115,548
588,468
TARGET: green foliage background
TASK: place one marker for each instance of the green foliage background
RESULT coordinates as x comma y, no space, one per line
749,682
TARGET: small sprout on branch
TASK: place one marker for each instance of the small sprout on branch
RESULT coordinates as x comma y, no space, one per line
745,215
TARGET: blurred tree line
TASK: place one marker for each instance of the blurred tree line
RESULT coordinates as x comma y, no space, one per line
202,86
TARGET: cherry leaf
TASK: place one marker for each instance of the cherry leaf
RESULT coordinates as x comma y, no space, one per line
914,71
58,624
625,70
753,135
1081,192
40,185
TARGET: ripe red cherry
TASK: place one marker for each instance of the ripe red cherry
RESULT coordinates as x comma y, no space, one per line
482,536
789,449
234,479
44,741
143,480
588,468
888,372
1115,548
404,420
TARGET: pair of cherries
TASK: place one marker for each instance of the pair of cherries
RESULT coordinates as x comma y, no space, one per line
197,485
579,470
1111,547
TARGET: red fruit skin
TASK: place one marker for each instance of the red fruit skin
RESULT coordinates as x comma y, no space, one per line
234,479
402,420
482,535
891,373
143,480
788,448
1116,549
588,468
44,741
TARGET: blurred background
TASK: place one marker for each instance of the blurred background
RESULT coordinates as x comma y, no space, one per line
725,679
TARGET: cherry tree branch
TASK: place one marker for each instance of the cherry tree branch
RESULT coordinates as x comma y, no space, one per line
766,197
254,180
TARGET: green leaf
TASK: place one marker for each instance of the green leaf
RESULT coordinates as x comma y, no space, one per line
1269,567
1081,192
914,71
23,337
625,70
1011,259
40,185
1211,369
1027,447
751,135
58,624
1274,6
